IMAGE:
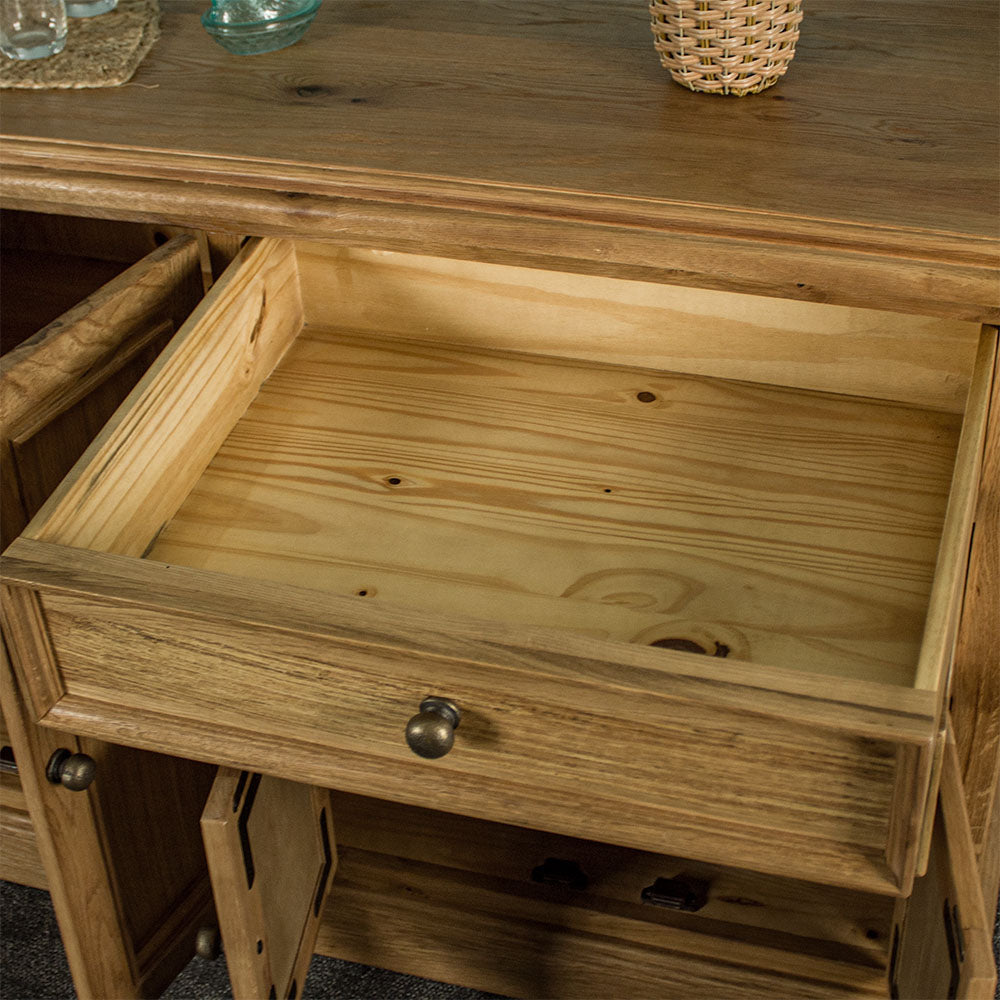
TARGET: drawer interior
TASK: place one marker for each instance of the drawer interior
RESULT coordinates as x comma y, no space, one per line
483,442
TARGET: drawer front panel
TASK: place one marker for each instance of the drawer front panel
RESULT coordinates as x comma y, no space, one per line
575,753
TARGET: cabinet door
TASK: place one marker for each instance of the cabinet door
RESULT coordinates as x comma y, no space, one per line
122,858
271,857
942,942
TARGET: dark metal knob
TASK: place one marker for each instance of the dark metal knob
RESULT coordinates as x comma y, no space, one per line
74,771
207,943
432,733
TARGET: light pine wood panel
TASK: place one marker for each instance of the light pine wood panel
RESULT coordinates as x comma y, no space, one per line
182,409
869,710
861,352
945,607
58,388
489,933
826,920
795,529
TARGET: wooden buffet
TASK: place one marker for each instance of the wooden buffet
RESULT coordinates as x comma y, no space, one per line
656,432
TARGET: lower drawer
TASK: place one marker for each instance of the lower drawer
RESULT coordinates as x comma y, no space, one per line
529,914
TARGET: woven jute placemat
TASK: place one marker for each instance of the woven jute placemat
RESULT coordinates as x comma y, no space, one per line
102,51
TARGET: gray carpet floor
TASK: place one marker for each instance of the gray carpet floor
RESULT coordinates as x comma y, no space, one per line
33,965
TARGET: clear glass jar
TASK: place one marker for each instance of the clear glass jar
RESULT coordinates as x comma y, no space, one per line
89,8
32,29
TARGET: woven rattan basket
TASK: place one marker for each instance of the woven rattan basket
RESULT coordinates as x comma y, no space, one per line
726,46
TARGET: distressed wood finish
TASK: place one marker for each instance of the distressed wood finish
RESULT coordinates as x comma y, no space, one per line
124,865
537,703
38,287
272,855
59,387
70,839
586,153
19,860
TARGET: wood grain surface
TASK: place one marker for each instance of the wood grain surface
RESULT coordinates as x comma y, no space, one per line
241,672
922,361
124,860
184,406
492,934
826,920
38,287
792,528
19,860
84,892
942,942
869,167
59,387
272,856
975,686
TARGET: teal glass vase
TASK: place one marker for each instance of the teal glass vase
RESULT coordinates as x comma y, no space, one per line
249,27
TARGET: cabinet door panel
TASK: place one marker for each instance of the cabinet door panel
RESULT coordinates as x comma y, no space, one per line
941,938
271,857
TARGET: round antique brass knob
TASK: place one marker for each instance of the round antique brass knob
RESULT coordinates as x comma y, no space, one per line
207,943
74,771
431,733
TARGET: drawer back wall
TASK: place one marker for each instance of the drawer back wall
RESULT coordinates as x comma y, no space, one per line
923,361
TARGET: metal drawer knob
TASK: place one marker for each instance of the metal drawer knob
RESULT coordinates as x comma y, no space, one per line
432,733
74,771
208,943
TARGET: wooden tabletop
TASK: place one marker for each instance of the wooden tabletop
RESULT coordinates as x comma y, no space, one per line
547,133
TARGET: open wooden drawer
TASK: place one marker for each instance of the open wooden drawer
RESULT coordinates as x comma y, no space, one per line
529,914
688,564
